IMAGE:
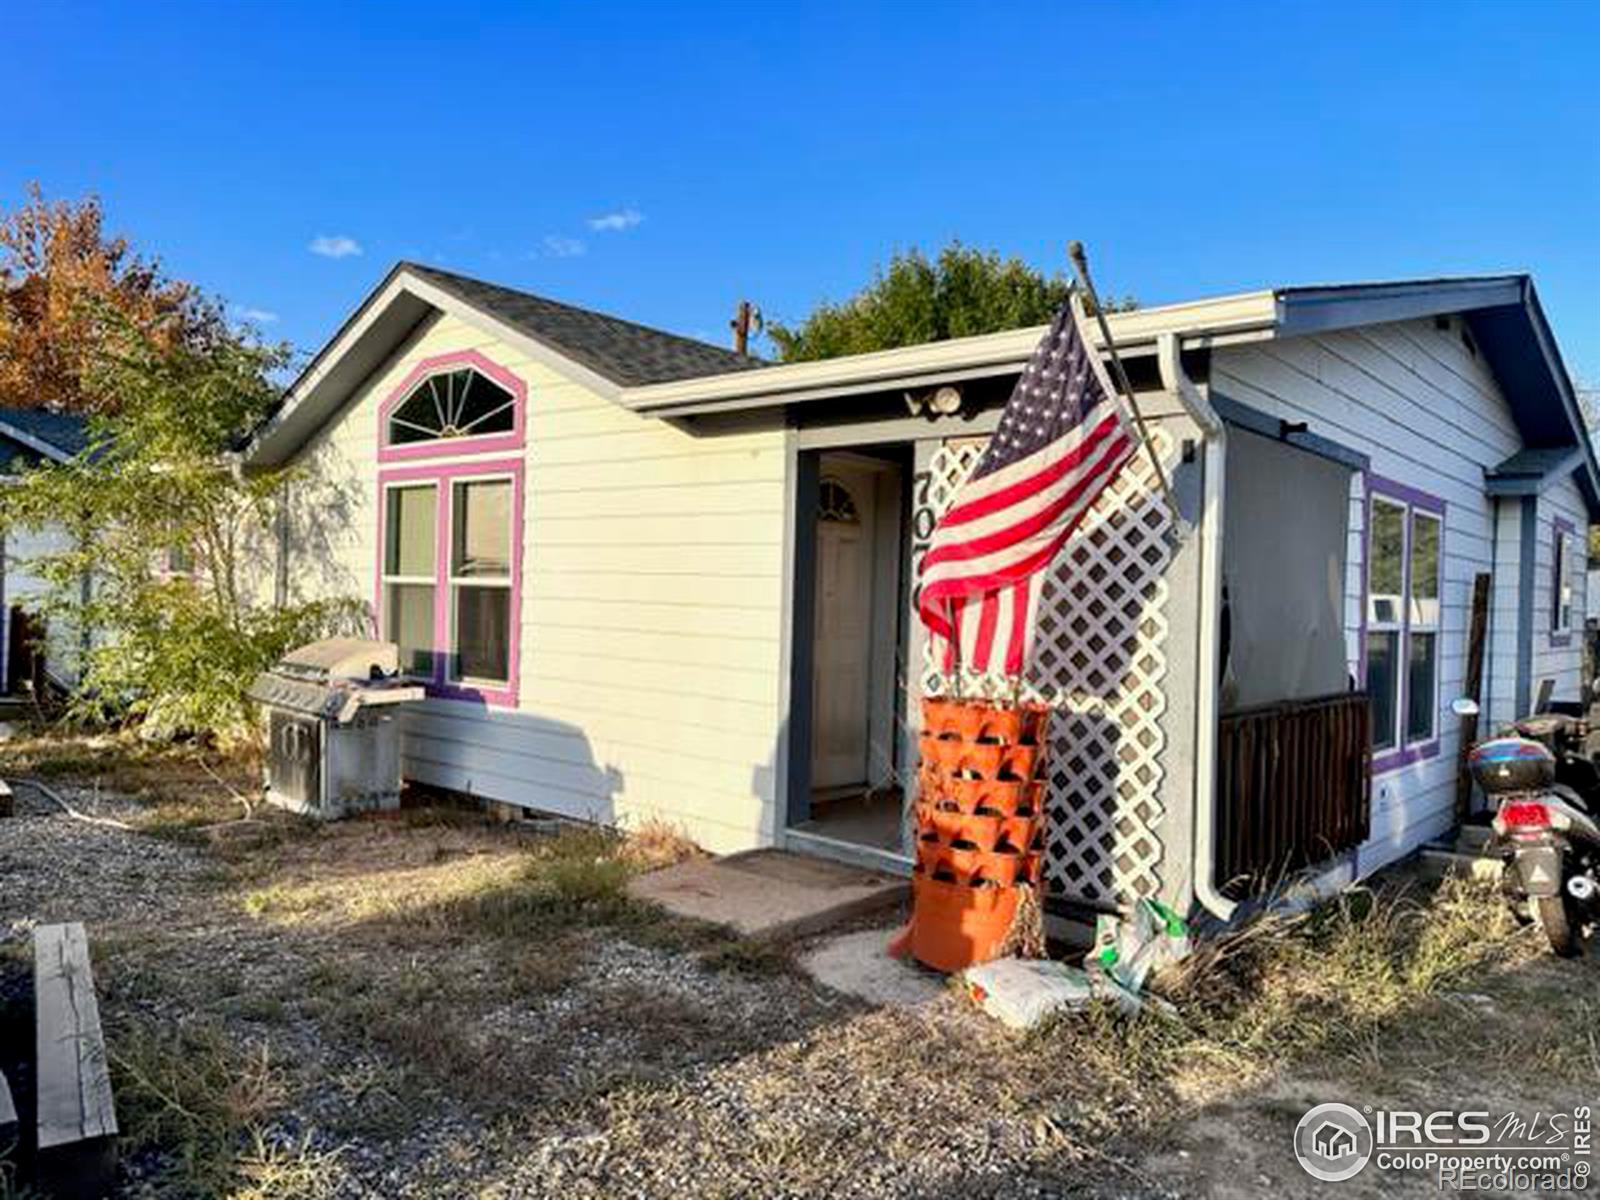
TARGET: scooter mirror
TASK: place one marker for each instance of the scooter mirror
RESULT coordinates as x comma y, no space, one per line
1465,706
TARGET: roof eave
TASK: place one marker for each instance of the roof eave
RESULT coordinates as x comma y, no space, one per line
1200,324
34,442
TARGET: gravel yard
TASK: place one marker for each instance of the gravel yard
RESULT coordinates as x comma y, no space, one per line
440,1006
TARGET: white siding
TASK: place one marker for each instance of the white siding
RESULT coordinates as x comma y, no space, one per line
1429,414
25,586
650,607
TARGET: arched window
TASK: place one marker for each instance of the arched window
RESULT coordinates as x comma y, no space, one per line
452,404
834,503
458,403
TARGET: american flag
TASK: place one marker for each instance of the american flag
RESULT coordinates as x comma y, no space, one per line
1061,440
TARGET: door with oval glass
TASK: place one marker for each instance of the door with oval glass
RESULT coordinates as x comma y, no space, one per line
842,649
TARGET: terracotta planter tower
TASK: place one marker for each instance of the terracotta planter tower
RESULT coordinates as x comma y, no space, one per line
980,810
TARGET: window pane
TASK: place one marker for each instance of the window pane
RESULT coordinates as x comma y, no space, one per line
421,416
1422,665
408,622
483,633
1425,569
452,404
482,515
410,531
1562,619
1385,568
483,406
1383,682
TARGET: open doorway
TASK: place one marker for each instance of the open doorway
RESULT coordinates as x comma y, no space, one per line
856,625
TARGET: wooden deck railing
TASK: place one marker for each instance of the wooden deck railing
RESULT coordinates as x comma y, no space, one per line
1293,788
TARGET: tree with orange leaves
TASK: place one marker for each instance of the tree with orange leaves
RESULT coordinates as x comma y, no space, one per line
63,281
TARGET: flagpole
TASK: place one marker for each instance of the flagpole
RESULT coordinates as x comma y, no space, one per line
1080,264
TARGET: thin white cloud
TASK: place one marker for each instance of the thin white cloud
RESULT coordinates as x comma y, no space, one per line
558,245
258,316
616,222
336,245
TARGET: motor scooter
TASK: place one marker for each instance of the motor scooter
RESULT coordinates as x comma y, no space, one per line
1545,786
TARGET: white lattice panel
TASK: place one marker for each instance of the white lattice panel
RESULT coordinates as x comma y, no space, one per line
1100,661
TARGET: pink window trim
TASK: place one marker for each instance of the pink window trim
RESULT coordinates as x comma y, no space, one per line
443,476
489,443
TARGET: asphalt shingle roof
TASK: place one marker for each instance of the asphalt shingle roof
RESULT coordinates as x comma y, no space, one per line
67,432
625,353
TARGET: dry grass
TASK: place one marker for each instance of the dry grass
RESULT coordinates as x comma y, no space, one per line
654,843
205,1108
1370,972
179,787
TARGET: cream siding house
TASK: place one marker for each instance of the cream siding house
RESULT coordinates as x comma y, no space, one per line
649,578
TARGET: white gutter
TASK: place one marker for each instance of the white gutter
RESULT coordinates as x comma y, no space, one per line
1209,625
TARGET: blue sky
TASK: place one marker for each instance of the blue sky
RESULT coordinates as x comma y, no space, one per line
780,152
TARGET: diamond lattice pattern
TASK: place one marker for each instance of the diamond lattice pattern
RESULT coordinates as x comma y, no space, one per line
1099,660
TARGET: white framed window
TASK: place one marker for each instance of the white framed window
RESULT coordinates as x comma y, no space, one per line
481,610
448,592
410,577
452,404
1405,561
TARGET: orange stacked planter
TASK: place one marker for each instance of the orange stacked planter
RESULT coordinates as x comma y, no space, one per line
980,807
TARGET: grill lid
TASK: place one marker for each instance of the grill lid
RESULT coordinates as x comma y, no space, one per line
342,658
334,679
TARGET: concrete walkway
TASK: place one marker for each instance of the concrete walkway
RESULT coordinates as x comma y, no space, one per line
769,893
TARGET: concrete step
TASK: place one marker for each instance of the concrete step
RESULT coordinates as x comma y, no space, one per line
770,894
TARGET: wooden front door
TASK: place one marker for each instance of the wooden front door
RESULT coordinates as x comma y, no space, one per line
843,631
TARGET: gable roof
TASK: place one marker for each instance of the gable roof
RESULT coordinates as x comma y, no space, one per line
53,435
604,353
622,351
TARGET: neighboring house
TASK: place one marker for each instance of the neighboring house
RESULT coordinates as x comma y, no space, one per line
646,577
27,438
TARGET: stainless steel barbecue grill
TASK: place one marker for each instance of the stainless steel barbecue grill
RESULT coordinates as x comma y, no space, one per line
333,740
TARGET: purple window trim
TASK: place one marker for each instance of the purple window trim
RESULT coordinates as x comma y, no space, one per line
1376,485
489,443
443,476
1404,756
1559,527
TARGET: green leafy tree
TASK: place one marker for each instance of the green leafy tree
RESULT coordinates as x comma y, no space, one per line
915,299
173,650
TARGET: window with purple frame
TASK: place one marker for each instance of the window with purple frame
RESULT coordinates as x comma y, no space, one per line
1405,536
1564,551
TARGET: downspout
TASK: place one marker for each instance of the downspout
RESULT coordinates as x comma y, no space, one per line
1209,624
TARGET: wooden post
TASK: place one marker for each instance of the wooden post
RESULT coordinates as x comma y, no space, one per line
1477,632
76,1119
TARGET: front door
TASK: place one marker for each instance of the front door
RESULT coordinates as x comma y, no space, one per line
841,692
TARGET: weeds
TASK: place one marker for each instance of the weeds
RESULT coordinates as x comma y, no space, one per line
1289,987
205,1106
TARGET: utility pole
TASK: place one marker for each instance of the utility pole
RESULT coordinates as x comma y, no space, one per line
745,315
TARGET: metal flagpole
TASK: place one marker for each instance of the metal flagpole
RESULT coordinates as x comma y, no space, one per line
1080,264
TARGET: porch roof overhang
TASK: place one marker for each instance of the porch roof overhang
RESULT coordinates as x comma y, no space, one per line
1198,325
1502,312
